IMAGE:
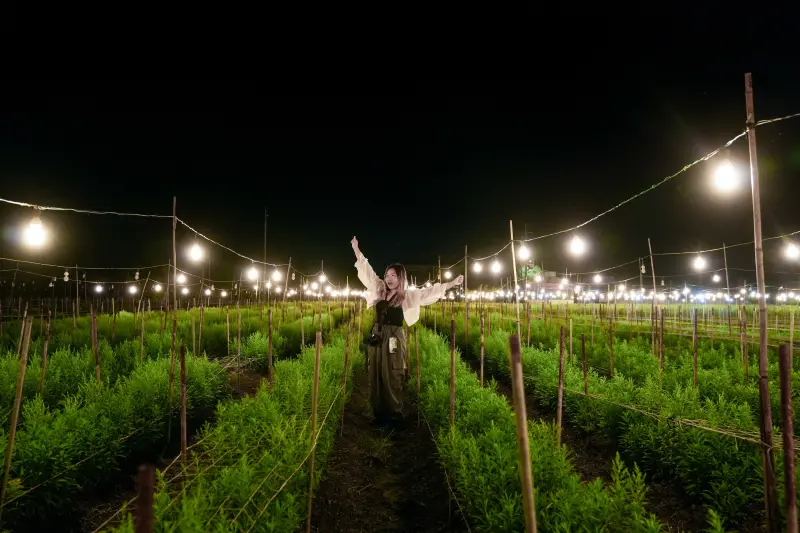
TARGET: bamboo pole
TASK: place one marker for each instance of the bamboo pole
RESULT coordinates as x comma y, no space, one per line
482,348
95,351
523,445
694,348
560,407
239,353
145,487
270,375
787,419
44,352
312,459
452,371
141,342
184,456
585,366
26,325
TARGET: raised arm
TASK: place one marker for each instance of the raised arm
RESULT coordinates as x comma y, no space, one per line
429,295
366,275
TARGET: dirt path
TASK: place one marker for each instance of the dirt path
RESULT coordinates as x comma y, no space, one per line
592,458
382,480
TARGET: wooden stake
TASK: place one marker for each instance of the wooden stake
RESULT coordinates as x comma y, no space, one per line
653,305
611,347
314,401
570,340
452,372
26,325
787,418
239,353
194,345
141,342
270,375
560,408
416,347
303,329
585,366
145,487
482,348
228,330
694,348
44,352
183,405
94,344
521,417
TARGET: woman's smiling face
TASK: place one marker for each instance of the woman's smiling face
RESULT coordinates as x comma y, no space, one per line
391,279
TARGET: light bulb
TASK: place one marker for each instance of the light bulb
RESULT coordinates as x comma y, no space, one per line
132,289
34,234
98,288
538,278
477,267
195,253
276,275
185,290
208,292
598,278
252,274
725,177
224,294
496,266
524,252
577,246
716,278
792,251
181,278
323,278
448,274
699,263
157,287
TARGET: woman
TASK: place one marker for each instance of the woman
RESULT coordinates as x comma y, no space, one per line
387,348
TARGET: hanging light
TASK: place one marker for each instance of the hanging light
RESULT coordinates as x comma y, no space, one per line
448,274
196,253
524,252
181,278
98,288
699,263
496,266
276,275
34,235
157,287
538,278
792,252
185,290
597,278
715,278
208,292
477,267
323,278
132,289
577,246
224,294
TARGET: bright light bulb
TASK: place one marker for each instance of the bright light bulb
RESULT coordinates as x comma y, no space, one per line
538,278
157,287
792,251
276,275
34,234
448,274
598,278
699,263
185,290
268,285
224,294
132,289
716,278
208,292
195,253
98,288
315,285
621,287
577,246
252,274
328,288
427,283
477,267
496,266
278,290
323,278
725,177
181,278
524,252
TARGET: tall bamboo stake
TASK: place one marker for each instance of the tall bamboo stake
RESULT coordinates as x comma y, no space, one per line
314,401
520,416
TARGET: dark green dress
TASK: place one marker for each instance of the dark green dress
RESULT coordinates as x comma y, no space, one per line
387,367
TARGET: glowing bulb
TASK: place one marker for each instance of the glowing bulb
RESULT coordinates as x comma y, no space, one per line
252,274
98,288
255,287
208,292
598,278
477,267
725,177
278,290
427,283
538,278
577,246
496,266
181,278
715,278
276,275
524,252
157,287
699,263
185,290
327,288
195,253
34,235
268,285
132,289
792,251
323,278
224,294
621,287
315,286
448,274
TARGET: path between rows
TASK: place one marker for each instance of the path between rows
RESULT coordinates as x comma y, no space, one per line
383,480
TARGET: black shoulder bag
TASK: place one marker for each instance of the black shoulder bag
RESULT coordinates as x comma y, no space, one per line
374,339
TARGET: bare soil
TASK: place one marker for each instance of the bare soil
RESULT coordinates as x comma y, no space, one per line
381,480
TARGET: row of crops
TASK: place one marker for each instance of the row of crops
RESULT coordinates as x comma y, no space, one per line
703,438
78,436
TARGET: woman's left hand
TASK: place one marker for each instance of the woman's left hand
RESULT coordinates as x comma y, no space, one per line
458,281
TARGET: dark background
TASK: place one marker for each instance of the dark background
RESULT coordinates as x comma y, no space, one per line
414,168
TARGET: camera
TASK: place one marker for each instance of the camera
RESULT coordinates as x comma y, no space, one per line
374,340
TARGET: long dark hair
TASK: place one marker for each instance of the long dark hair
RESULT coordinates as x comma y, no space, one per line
400,292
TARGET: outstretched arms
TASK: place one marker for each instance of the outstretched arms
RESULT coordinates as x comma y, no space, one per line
429,295
366,275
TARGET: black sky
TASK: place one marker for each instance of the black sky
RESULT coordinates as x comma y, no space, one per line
414,168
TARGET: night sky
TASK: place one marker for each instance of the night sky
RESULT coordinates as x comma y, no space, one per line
414,168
